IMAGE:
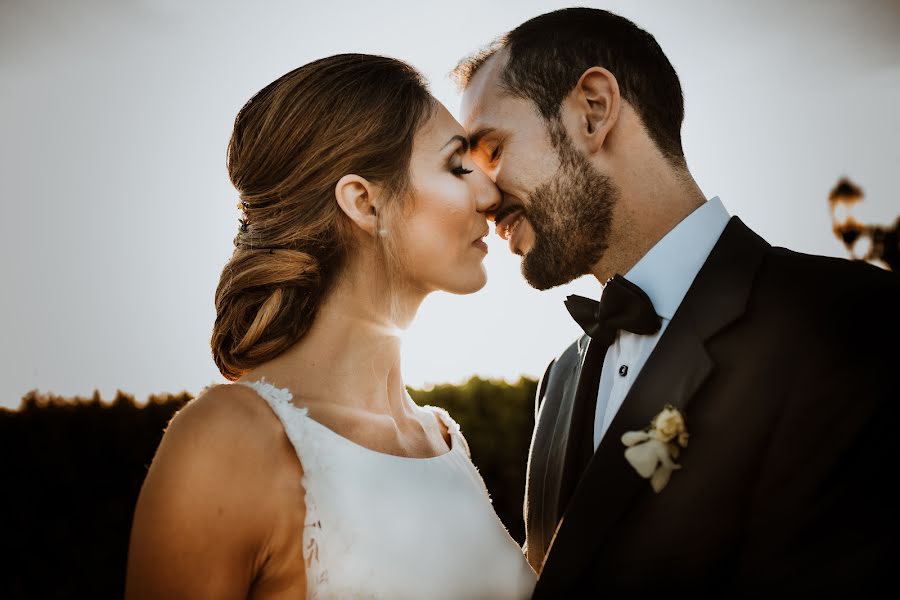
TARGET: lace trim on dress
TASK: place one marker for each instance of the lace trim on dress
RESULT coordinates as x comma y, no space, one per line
295,420
458,438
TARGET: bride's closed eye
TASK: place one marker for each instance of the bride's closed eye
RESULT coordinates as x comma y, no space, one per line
461,149
455,162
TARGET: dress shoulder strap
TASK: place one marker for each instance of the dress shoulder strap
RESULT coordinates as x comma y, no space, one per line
295,421
452,426
272,394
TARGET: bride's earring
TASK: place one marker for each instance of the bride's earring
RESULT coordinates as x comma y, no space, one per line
381,231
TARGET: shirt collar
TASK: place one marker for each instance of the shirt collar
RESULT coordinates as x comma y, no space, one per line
666,272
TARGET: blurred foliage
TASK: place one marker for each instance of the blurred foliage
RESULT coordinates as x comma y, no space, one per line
72,469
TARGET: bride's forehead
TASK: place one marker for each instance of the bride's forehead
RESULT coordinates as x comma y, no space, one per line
438,128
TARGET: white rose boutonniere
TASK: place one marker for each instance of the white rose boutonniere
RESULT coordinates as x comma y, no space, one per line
652,452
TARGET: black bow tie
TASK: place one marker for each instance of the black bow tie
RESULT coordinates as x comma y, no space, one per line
623,305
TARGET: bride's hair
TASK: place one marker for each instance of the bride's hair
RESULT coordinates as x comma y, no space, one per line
292,142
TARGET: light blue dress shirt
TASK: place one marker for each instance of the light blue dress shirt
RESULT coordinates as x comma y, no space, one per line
665,273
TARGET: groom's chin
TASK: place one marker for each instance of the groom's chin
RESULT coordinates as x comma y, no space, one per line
543,276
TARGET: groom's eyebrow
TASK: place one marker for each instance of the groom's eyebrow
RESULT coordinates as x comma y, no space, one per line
476,137
458,138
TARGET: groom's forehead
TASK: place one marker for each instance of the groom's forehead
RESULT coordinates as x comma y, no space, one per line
483,95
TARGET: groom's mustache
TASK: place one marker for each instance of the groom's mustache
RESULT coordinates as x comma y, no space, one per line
504,211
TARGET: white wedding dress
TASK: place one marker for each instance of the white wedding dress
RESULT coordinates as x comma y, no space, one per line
384,526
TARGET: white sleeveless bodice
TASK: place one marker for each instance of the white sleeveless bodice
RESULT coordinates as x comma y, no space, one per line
384,526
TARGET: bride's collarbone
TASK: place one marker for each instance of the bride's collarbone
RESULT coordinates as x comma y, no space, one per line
419,436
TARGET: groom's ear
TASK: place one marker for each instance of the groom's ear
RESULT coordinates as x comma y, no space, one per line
358,198
594,104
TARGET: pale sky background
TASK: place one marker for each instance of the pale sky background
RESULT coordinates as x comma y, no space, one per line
118,215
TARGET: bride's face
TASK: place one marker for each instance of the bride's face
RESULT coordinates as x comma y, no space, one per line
442,232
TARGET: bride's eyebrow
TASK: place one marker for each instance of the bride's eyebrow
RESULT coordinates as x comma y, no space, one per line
458,138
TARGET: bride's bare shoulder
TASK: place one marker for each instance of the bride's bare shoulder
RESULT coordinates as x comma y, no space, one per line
201,509
228,409
227,431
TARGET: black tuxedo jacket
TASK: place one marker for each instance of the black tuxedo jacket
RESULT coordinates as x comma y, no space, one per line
785,368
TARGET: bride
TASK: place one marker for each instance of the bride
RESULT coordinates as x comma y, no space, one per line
314,474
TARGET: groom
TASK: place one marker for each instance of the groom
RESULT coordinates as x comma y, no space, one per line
725,426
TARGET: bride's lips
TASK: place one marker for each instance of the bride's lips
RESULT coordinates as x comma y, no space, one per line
479,242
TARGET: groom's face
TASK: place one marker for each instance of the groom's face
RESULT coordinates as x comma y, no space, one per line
556,208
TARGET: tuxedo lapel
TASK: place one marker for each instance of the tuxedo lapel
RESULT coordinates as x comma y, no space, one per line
569,457
557,424
674,372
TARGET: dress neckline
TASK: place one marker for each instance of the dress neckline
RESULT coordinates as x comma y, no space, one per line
285,397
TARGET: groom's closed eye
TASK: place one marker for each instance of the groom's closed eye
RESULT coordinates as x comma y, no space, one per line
489,150
486,146
478,140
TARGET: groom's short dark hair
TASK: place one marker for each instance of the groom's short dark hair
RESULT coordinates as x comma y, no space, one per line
549,53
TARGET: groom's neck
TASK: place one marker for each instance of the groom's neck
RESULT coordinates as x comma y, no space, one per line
651,203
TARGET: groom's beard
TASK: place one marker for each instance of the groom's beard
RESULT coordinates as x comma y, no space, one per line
570,215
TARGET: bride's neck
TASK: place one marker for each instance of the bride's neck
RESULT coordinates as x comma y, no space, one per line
351,354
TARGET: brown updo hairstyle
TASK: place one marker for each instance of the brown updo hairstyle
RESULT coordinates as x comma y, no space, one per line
292,142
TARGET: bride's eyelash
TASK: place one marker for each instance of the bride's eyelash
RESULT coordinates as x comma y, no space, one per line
460,171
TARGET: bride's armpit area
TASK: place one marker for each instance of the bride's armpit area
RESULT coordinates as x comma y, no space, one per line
281,564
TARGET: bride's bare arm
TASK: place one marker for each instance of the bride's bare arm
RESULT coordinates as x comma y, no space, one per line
220,513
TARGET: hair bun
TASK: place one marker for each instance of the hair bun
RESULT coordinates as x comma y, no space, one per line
264,302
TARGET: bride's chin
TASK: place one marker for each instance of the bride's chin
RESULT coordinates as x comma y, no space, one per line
471,283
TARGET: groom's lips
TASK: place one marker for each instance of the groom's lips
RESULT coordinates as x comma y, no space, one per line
506,219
